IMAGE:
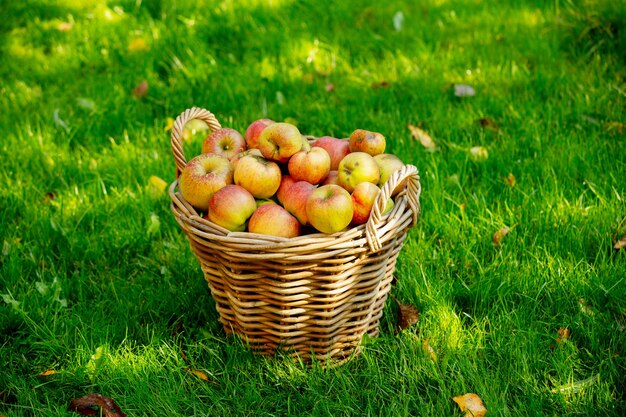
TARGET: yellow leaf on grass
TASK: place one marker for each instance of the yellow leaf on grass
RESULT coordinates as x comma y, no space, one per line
169,124
428,349
471,404
156,186
620,244
138,45
64,27
510,180
408,315
497,236
563,335
423,137
479,153
199,374
48,372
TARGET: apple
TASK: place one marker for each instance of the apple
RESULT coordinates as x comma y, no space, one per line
272,219
332,178
202,176
372,143
363,199
253,131
312,166
262,201
329,208
258,175
388,164
286,182
357,167
279,141
240,155
231,207
225,141
295,200
306,146
337,149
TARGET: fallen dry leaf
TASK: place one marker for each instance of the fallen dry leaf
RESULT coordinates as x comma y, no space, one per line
428,349
156,186
463,90
615,127
64,27
200,375
141,90
584,307
498,235
471,404
169,124
48,197
620,244
330,87
479,153
48,372
380,84
510,180
138,45
563,335
424,138
96,405
408,315
489,124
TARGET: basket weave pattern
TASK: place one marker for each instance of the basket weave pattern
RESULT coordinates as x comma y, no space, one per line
314,296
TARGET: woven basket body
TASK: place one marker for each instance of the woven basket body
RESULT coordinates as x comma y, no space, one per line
314,296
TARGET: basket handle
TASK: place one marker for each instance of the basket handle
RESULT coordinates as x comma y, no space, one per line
413,190
177,132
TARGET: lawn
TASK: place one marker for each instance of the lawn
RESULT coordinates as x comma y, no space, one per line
98,285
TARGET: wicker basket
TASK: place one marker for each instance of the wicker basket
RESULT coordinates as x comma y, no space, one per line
314,296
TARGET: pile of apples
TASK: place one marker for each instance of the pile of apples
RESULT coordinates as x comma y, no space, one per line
273,181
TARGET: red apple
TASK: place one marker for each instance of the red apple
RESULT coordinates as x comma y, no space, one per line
202,176
279,141
363,199
254,131
312,166
357,167
225,141
258,175
336,148
329,208
332,178
295,200
272,219
285,183
231,207
372,143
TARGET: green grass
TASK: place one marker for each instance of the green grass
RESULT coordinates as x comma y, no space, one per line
94,279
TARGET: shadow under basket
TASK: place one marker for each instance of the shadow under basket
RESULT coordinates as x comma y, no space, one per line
314,296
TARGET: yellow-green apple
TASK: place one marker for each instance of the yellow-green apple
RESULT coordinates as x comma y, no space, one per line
332,178
262,201
279,141
357,167
203,176
329,208
312,166
272,219
306,146
240,155
295,200
362,140
363,199
258,175
254,130
285,182
388,164
225,141
231,207
336,148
